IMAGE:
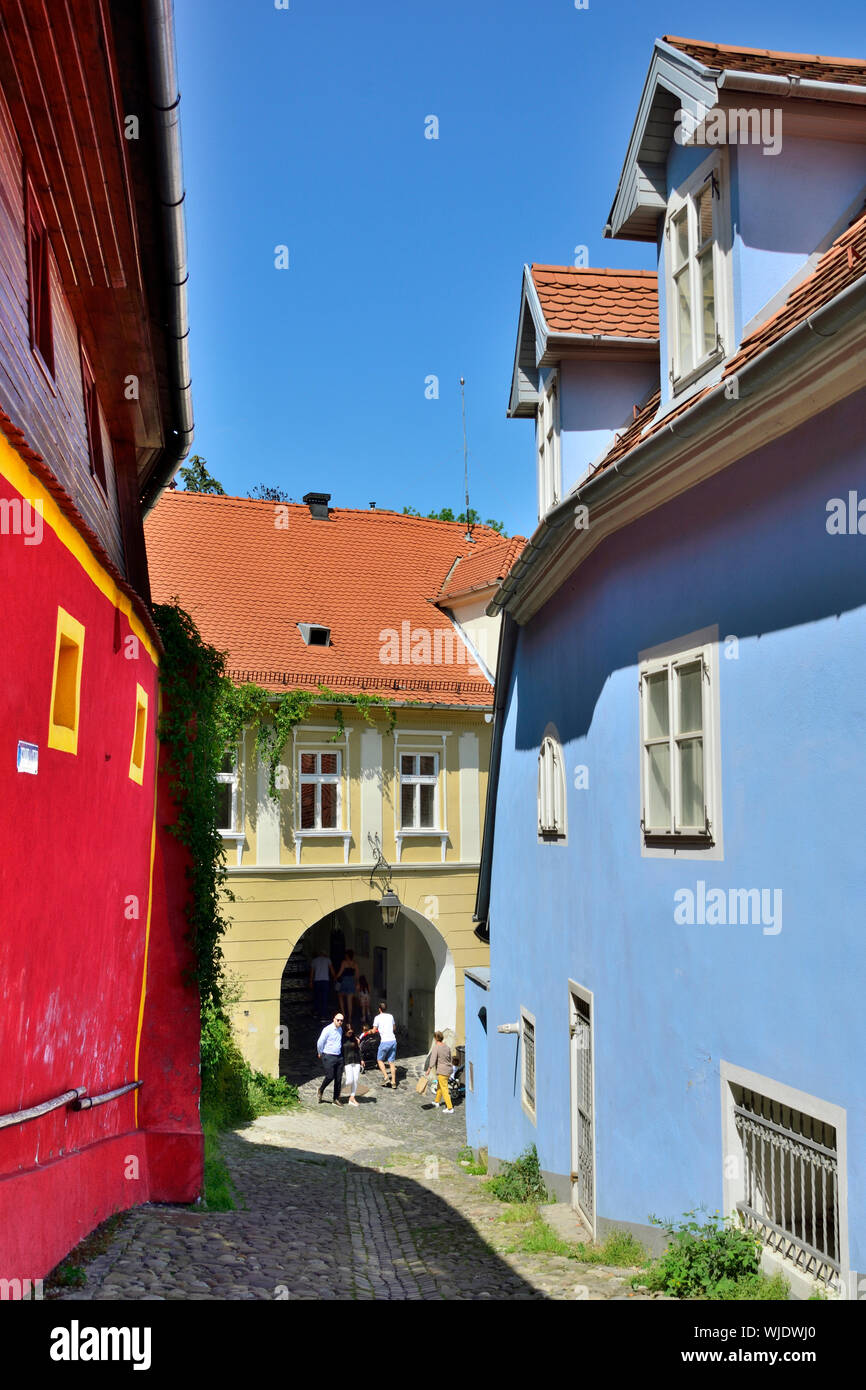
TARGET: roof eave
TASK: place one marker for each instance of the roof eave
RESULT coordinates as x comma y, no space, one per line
522,401
555,534
634,216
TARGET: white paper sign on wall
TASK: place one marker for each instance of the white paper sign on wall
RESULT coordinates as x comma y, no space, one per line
28,757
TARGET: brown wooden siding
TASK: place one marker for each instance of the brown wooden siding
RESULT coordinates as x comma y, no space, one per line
50,413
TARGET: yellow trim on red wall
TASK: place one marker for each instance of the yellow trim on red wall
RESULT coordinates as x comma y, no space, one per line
148,917
18,475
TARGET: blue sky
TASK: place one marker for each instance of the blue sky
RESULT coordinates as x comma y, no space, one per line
305,128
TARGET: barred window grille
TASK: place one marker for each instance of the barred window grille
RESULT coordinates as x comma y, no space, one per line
529,1062
791,1183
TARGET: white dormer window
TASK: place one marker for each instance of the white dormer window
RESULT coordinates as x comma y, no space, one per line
551,791
547,443
697,237
315,634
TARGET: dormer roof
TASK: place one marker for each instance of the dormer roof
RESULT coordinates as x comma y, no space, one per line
695,76
572,311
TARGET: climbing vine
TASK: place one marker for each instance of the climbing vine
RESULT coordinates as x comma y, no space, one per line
191,679
203,714
274,716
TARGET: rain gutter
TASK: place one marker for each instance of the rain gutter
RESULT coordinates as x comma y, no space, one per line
165,101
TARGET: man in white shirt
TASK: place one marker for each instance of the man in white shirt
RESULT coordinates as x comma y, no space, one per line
387,1045
330,1050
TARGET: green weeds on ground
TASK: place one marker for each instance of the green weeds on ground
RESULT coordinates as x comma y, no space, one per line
70,1273
468,1162
520,1181
711,1257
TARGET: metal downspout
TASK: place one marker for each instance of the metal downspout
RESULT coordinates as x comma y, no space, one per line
165,100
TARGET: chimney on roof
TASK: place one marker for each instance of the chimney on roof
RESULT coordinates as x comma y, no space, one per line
318,505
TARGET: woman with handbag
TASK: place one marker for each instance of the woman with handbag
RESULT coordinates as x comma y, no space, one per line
440,1062
351,1061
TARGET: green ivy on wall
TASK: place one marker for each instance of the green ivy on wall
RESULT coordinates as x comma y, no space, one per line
275,716
203,714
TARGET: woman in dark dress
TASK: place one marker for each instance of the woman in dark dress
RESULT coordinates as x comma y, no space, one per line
351,1061
347,976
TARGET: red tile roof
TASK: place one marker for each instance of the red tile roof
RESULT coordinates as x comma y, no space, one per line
489,562
247,582
616,303
772,63
841,265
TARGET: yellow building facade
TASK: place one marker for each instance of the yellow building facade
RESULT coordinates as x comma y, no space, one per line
297,889
342,603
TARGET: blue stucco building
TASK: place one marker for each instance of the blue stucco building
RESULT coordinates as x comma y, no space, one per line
673,877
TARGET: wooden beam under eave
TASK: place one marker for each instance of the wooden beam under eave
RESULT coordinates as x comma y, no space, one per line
131,524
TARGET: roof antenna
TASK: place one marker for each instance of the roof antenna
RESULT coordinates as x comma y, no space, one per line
468,535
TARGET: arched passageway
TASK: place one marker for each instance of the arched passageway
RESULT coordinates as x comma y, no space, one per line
409,966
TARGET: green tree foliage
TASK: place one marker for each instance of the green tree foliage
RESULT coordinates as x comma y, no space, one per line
262,493
197,479
470,518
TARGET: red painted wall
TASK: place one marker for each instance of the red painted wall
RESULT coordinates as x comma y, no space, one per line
75,882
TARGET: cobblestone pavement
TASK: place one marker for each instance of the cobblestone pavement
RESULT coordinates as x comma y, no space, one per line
339,1202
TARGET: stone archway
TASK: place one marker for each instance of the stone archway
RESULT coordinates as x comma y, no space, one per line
412,963
276,913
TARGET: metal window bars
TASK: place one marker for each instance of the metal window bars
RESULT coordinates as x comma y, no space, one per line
529,1062
791,1183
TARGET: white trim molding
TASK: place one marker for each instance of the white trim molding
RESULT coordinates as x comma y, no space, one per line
734,1167
706,842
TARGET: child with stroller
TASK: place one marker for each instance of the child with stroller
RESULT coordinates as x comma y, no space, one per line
369,1047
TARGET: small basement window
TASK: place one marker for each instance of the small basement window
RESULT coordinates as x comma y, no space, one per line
136,761
315,635
66,684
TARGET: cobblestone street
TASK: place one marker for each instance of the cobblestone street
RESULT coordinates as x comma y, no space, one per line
338,1202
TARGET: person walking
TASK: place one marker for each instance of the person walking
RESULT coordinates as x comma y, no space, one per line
364,999
330,1050
440,1061
351,1061
346,976
387,1051
321,975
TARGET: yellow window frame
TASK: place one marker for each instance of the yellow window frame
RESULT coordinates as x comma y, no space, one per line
139,739
65,708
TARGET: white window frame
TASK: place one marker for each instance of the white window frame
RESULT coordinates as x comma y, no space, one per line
414,741
552,803
319,779
231,779
733,1166
713,172
418,779
530,1105
234,833
547,445
694,842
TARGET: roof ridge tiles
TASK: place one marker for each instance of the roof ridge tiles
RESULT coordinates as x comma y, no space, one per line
651,275
676,39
